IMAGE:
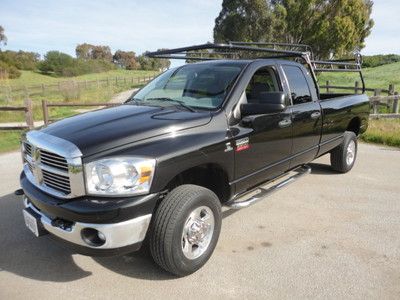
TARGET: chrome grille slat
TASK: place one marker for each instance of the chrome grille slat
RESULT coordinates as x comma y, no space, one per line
55,185
52,159
59,180
53,165
47,162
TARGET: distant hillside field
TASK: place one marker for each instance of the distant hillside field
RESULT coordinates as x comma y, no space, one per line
378,77
32,78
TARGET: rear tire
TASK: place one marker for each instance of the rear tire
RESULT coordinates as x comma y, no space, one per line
344,156
185,229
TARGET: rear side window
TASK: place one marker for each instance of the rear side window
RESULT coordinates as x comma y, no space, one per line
298,85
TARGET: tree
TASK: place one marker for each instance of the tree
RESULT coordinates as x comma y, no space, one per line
3,37
243,20
331,27
126,59
88,51
150,63
55,62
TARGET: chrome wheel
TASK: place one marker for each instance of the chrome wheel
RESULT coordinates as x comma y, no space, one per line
350,153
198,232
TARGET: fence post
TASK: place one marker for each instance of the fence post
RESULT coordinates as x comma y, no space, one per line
356,85
116,80
45,112
396,103
327,87
29,113
377,93
43,88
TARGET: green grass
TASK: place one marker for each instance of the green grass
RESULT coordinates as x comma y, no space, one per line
379,77
29,78
9,140
94,93
383,131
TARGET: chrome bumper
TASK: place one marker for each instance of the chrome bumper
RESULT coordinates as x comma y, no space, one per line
116,235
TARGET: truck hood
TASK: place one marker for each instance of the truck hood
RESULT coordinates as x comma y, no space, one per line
104,129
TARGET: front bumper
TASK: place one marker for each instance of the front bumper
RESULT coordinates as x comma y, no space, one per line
116,235
122,222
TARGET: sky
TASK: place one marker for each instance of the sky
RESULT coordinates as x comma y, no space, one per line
44,25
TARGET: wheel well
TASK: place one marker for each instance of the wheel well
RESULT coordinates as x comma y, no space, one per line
210,176
354,125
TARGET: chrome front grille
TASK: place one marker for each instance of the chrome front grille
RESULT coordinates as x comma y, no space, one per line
52,164
56,181
53,160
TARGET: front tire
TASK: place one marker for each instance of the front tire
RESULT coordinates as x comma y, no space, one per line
344,156
185,229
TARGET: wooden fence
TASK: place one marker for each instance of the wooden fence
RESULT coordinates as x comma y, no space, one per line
9,92
28,111
46,105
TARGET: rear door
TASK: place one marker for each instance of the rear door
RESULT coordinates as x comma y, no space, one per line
306,114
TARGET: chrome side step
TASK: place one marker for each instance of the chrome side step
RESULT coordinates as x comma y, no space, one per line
240,201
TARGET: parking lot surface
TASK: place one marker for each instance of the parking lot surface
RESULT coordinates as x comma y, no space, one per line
327,235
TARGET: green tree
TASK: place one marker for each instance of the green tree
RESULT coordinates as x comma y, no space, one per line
89,51
156,64
331,27
243,20
55,62
126,59
3,37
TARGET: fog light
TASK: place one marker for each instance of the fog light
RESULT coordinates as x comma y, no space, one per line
93,237
101,236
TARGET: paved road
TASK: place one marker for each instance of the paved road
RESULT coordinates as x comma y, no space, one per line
325,236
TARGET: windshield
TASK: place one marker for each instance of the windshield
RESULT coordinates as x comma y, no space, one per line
194,86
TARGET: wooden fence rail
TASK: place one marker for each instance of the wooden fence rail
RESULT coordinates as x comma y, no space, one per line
30,90
46,105
27,109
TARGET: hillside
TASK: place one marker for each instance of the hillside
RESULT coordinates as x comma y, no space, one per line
32,78
378,77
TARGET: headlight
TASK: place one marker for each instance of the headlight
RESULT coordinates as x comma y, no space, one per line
119,176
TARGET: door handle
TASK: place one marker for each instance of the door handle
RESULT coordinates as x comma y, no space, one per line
285,123
315,115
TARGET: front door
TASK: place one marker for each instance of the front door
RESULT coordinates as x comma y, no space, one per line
262,149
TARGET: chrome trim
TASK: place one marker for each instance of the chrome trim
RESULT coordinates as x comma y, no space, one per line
71,153
117,234
241,201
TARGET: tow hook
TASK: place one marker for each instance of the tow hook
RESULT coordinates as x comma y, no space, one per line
19,192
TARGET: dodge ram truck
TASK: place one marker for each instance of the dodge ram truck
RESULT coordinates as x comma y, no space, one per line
157,169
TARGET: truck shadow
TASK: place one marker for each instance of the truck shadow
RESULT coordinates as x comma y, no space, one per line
322,169
44,259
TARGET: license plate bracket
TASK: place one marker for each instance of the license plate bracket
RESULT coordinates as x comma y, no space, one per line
32,221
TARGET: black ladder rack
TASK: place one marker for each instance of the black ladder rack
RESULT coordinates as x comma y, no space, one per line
262,50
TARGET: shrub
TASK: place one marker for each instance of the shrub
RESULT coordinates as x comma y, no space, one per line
70,91
8,71
379,60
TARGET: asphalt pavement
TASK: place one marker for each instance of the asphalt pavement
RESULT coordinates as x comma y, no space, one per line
327,235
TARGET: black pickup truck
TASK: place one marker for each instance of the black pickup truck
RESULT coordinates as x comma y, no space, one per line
208,134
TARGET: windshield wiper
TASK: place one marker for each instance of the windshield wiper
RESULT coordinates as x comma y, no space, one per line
180,103
135,100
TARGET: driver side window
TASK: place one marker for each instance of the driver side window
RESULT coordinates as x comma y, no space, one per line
263,81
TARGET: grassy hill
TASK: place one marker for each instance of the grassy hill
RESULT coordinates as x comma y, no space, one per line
378,77
32,78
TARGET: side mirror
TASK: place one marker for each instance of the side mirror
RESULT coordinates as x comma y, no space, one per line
268,103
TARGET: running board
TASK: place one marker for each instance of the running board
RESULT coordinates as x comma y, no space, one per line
239,203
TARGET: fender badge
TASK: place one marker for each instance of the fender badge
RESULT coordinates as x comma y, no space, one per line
228,147
242,144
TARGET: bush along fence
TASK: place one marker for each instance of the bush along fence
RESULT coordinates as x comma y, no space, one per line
382,98
9,92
